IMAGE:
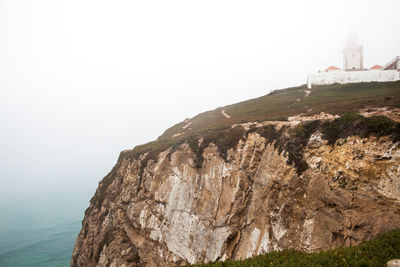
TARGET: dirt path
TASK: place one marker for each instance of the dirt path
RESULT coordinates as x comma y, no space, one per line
224,114
187,125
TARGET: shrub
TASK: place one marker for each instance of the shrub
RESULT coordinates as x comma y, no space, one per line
340,127
369,253
224,139
299,139
396,133
355,124
379,126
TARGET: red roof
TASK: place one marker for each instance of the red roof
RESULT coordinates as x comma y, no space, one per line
376,67
332,68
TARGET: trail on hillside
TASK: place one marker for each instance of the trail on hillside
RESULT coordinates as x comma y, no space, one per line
224,114
187,125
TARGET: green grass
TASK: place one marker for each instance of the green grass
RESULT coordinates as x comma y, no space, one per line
280,104
224,138
370,253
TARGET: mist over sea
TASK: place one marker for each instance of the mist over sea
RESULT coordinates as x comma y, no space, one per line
41,230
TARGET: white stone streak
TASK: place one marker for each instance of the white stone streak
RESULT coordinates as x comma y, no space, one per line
156,235
255,236
185,233
217,239
160,160
278,229
142,217
226,170
264,244
178,235
308,228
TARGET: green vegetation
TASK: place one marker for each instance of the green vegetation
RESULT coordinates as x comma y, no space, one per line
224,138
301,135
370,253
213,127
355,124
292,144
289,141
280,104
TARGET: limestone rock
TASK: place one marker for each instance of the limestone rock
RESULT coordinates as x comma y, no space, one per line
172,213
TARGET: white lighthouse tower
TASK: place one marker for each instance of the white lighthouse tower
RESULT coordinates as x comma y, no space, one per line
353,68
353,54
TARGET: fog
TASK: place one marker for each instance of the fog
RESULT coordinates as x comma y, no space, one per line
82,80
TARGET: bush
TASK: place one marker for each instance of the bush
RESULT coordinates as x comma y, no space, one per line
341,127
354,124
370,253
224,139
298,140
396,133
379,126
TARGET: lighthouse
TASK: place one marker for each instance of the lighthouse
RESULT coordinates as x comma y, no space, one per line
353,54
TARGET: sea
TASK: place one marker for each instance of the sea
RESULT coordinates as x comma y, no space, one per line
41,230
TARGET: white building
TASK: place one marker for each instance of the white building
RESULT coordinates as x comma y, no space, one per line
353,69
344,77
353,54
394,64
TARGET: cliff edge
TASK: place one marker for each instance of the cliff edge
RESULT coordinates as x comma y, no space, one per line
213,189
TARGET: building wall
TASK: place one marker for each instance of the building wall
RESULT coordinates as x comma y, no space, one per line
353,60
343,77
394,64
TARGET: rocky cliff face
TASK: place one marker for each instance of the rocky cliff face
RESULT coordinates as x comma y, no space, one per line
256,199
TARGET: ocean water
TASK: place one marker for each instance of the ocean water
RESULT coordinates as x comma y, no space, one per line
41,230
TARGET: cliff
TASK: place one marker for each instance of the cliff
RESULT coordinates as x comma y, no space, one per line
316,181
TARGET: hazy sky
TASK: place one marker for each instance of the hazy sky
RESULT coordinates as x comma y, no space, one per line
82,80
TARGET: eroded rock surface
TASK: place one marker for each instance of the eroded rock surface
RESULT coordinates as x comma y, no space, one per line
173,213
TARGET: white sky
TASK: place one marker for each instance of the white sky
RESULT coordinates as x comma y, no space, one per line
82,80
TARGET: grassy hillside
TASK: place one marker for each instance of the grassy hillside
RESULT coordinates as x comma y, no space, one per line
280,104
370,253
